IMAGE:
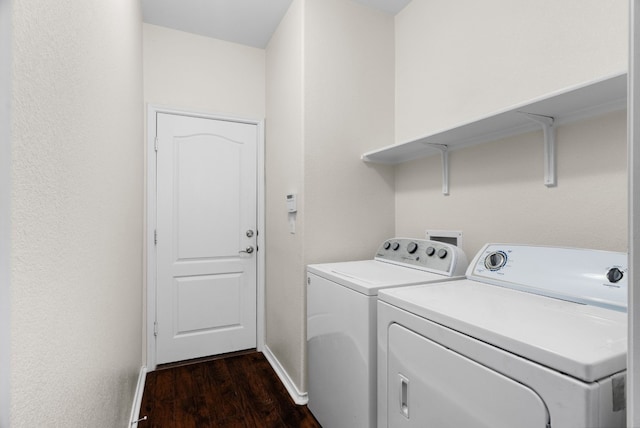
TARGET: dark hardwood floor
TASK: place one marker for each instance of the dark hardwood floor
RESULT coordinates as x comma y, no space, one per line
235,391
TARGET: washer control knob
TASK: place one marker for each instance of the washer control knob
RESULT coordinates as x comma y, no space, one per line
495,260
431,251
442,253
412,247
614,275
395,246
386,245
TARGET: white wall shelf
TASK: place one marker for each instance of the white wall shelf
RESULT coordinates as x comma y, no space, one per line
570,104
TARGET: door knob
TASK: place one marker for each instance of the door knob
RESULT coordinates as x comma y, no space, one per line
248,250
249,233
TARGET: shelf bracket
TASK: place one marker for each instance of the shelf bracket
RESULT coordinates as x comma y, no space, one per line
549,132
444,155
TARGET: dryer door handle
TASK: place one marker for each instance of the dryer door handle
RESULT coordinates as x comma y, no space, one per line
404,395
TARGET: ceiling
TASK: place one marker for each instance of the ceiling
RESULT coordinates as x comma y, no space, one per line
248,22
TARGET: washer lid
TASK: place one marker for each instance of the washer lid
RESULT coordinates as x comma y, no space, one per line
369,276
586,342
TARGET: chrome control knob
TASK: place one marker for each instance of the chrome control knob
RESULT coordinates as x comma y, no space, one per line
442,253
395,246
412,247
431,251
495,260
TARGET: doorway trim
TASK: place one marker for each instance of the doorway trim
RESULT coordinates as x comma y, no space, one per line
150,217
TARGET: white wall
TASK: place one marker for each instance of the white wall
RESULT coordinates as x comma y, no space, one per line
5,212
201,74
330,98
456,61
349,94
497,191
284,164
76,212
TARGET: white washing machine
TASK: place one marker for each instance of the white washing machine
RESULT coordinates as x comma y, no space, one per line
534,337
341,323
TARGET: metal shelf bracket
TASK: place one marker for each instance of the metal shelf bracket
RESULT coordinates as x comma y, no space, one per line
444,156
549,132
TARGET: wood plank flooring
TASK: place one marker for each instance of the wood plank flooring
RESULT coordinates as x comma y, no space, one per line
236,391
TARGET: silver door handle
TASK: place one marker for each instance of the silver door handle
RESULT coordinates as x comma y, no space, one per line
404,396
248,250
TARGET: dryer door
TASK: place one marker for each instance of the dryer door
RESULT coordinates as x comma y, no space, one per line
432,386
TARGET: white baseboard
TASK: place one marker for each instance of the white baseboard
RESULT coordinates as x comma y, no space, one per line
137,398
298,397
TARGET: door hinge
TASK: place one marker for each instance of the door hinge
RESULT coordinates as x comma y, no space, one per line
155,328
155,237
156,144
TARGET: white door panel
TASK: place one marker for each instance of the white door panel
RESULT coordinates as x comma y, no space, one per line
207,165
432,386
206,201
193,297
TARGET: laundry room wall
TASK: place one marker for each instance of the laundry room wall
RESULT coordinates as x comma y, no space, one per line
202,74
5,211
330,98
349,109
284,165
456,61
76,212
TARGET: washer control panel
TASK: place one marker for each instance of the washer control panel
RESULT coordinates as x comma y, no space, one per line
578,275
423,254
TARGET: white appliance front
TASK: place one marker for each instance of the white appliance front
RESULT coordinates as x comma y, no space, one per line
474,354
341,325
434,386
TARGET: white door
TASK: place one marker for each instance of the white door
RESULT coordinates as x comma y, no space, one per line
432,386
206,237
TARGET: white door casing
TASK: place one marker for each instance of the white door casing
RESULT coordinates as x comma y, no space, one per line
203,185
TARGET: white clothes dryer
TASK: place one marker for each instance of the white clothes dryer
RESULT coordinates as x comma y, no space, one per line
341,323
534,337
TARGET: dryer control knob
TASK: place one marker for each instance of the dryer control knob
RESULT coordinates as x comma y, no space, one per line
387,245
412,247
614,275
431,251
395,246
442,253
495,260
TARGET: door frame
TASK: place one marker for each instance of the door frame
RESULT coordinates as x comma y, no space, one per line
6,47
633,160
150,216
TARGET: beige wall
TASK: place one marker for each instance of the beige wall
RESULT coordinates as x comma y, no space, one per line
330,98
285,322
201,74
349,96
76,212
456,61
5,211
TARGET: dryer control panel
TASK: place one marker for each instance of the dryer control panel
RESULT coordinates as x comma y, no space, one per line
592,277
432,256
